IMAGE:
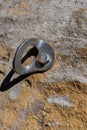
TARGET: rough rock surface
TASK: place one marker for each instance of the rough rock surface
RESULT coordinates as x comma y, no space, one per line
56,99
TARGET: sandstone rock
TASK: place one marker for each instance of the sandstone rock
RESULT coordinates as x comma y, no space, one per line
56,99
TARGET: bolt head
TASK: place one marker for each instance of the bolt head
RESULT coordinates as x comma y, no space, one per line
43,59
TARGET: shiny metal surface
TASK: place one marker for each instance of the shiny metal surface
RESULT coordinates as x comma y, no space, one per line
44,59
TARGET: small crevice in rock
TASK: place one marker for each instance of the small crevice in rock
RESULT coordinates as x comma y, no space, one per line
28,82
1,72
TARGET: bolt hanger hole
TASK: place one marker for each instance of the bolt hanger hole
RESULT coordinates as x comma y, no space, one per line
29,55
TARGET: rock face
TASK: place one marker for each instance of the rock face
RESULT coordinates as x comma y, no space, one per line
56,99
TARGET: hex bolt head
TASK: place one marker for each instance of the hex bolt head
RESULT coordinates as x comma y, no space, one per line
44,59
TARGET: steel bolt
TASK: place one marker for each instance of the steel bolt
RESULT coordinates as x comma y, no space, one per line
43,59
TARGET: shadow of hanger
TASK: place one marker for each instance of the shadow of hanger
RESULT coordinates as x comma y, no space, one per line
7,83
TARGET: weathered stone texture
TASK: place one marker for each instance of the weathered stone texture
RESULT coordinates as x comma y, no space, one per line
56,99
